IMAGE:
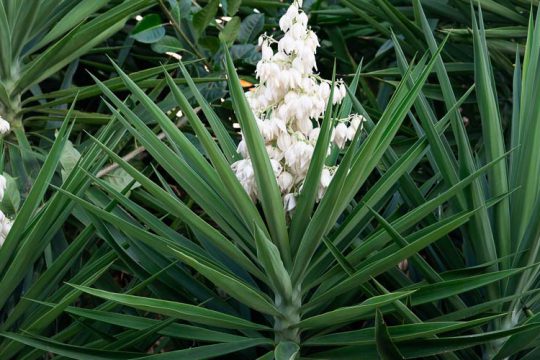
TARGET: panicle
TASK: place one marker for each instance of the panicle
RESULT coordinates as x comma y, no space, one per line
288,104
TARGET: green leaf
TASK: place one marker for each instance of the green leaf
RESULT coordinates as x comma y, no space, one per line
78,42
149,30
12,197
251,27
5,44
286,350
233,286
180,331
268,255
230,31
235,193
74,17
269,192
208,351
119,179
352,313
69,158
422,348
493,138
203,17
444,289
233,6
32,201
310,188
167,44
385,346
176,310
71,351
399,333
423,238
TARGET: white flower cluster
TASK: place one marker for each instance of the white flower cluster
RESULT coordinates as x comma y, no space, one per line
5,223
4,126
288,104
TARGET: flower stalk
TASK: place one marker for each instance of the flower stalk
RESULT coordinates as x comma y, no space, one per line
286,325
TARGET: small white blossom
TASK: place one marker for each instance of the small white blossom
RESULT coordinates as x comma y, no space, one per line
5,227
3,186
246,176
357,122
285,181
289,202
4,126
242,149
340,135
326,178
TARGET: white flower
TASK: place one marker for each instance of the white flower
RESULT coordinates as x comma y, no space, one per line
351,132
289,202
244,172
4,126
5,227
276,167
340,135
324,90
274,152
266,50
3,186
284,141
298,157
285,181
357,122
269,129
302,17
242,149
343,91
326,178
314,134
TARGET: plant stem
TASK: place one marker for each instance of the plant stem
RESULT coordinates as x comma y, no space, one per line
286,326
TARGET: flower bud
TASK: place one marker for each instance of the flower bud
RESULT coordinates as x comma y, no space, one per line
289,202
340,135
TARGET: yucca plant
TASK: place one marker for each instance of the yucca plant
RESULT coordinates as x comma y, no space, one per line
38,39
213,273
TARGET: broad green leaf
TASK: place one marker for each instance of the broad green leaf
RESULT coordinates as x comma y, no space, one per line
251,27
168,44
177,310
385,347
72,351
149,30
230,31
270,194
268,255
140,323
204,16
352,313
426,347
25,214
208,351
399,333
286,350
234,287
